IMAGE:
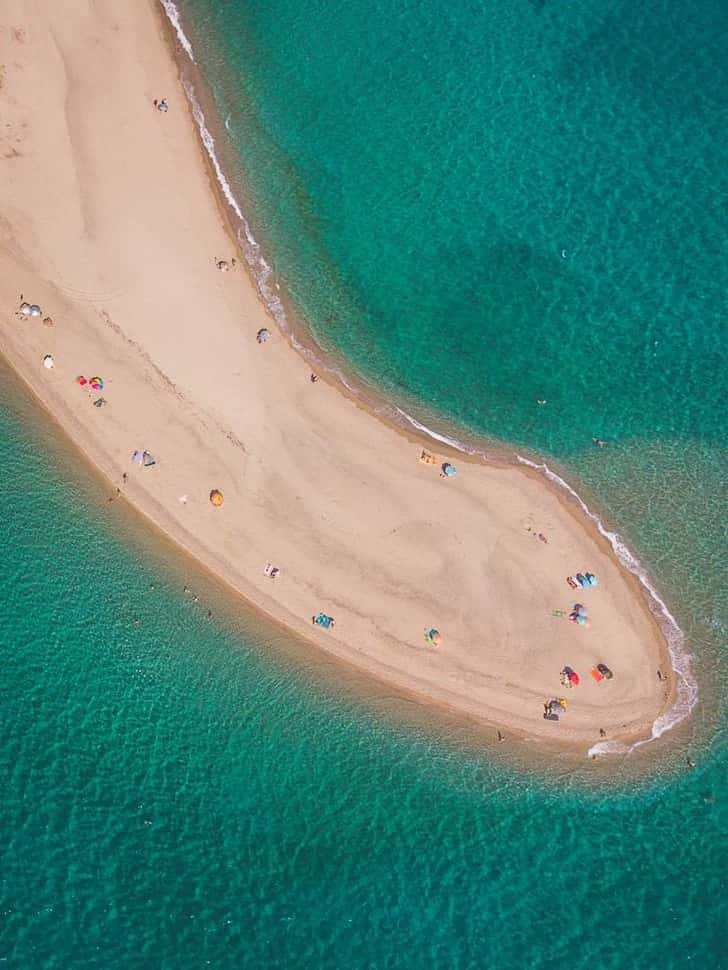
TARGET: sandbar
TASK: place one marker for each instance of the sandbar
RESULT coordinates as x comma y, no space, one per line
111,224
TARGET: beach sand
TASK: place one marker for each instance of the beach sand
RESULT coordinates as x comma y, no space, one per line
109,222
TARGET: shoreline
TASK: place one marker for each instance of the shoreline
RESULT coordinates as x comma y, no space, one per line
684,693
122,353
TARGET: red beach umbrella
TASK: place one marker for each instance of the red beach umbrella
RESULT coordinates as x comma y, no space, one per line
574,677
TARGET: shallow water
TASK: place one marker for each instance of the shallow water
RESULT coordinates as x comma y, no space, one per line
185,793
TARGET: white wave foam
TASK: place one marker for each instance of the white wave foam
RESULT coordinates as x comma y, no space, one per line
687,689
209,142
452,442
262,272
173,15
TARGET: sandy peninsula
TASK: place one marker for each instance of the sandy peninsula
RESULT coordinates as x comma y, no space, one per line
109,222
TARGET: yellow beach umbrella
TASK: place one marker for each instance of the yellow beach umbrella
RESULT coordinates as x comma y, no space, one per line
216,497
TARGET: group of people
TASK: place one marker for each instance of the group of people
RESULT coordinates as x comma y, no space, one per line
553,708
582,580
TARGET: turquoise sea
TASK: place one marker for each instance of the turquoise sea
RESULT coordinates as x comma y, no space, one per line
472,206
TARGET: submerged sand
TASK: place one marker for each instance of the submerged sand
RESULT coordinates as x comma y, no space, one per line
110,223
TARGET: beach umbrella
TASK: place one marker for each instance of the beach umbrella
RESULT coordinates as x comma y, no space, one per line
35,310
435,637
262,335
581,619
25,308
562,702
97,383
573,677
48,362
216,497
449,469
